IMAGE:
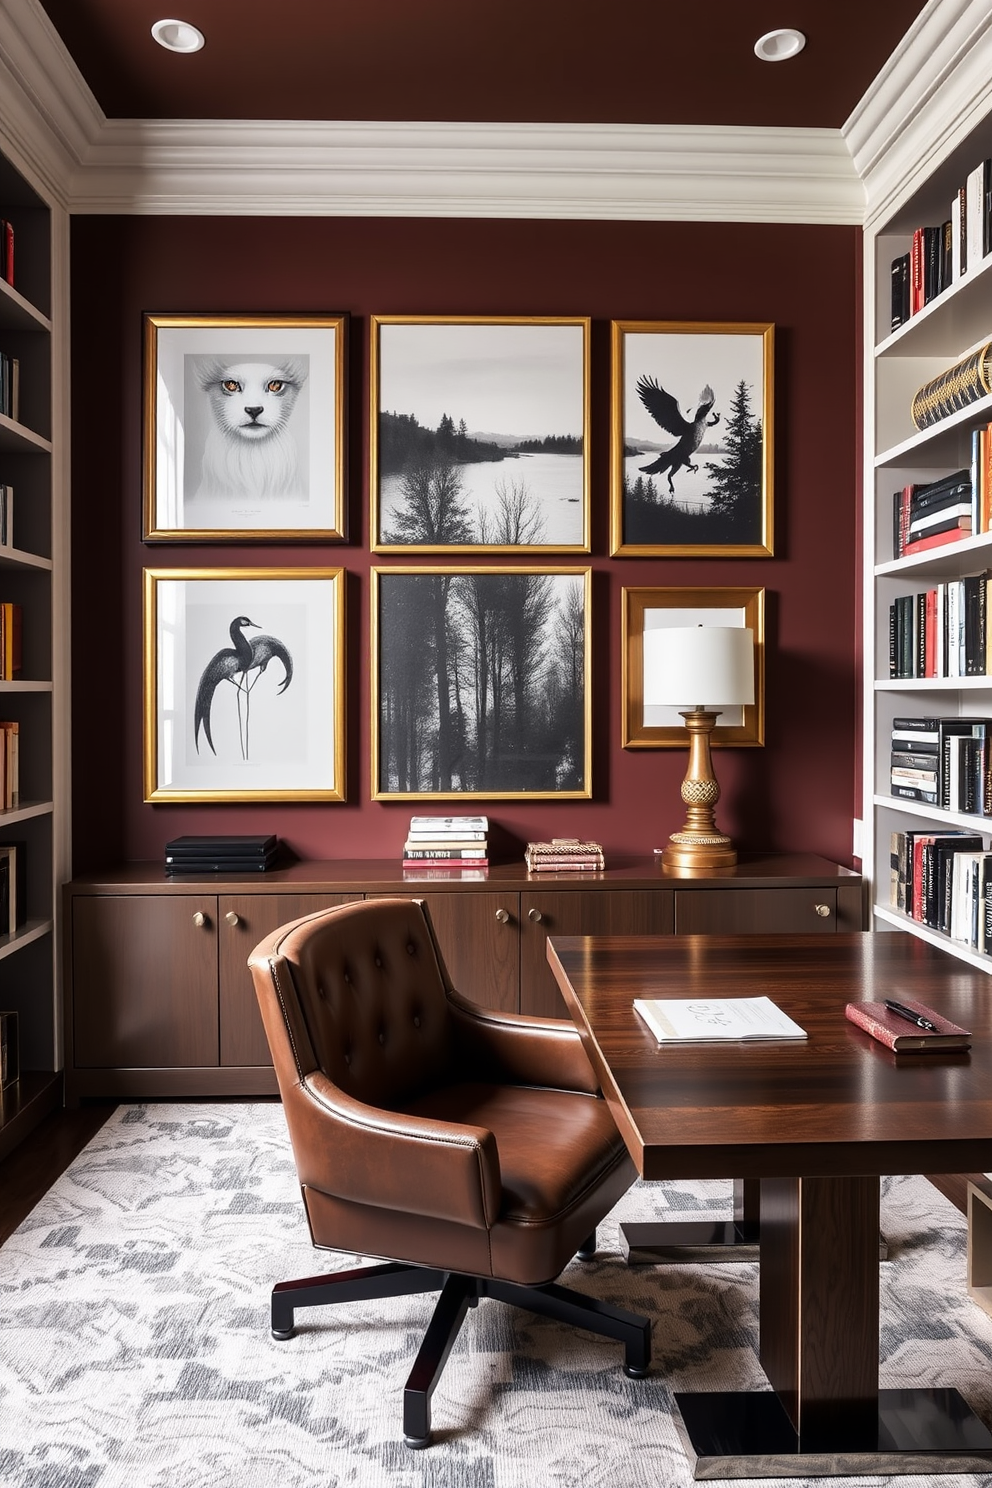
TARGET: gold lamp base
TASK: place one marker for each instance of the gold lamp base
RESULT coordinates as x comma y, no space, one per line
699,846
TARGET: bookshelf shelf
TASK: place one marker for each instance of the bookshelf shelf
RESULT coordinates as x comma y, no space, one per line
18,439
897,455
18,558
18,314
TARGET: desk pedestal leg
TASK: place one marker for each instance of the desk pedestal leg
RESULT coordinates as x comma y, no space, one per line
687,1242
819,1348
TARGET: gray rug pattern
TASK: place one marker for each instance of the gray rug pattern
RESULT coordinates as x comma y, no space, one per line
135,1350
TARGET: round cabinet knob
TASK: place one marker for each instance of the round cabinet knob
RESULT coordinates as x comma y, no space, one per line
232,919
823,910
503,915
199,919
535,915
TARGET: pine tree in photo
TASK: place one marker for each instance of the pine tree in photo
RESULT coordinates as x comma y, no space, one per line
735,493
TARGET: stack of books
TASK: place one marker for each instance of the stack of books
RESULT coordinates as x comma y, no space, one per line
563,854
221,854
942,253
944,881
931,514
945,762
447,842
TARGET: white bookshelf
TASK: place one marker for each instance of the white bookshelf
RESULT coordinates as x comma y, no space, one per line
34,574
896,454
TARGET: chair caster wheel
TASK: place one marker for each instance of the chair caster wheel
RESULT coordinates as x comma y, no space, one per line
633,1373
585,1255
282,1333
417,1443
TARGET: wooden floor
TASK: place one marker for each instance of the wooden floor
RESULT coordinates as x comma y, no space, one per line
29,1172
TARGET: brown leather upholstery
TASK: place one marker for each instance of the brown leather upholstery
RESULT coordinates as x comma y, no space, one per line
427,1129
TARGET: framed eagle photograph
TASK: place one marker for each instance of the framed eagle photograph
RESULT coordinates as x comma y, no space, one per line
692,439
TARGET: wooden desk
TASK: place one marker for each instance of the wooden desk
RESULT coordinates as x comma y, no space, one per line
817,1123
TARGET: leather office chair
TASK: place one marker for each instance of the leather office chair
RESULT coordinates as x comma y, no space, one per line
469,1147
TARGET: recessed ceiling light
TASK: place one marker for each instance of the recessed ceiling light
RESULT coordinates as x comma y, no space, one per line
177,36
778,46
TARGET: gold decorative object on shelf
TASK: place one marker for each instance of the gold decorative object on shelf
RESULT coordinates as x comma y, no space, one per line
966,382
715,663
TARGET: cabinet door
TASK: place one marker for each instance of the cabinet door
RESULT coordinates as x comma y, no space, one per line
144,981
755,911
479,939
580,912
244,920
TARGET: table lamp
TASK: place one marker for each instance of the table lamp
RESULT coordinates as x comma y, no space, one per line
713,664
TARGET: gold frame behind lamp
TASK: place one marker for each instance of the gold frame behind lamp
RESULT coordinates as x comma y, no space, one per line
518,388
690,607
168,341
688,372
325,709
414,630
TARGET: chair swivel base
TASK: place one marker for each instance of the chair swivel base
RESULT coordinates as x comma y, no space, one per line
458,1293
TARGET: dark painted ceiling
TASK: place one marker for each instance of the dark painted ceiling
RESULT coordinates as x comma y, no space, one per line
538,61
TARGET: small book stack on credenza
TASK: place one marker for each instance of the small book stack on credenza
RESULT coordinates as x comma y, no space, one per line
447,842
221,854
563,855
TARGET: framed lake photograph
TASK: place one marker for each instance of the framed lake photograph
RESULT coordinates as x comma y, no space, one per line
244,433
480,683
657,726
692,440
480,434
244,684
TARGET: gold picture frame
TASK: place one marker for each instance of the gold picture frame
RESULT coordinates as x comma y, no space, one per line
480,434
232,716
705,495
511,647
244,428
644,607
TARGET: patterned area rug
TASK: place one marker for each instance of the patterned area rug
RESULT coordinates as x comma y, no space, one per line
135,1351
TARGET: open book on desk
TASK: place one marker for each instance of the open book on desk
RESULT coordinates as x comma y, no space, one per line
697,1020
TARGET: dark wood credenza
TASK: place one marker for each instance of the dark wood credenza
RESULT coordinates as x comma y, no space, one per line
159,1001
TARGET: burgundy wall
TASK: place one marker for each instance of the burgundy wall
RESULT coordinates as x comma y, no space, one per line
797,793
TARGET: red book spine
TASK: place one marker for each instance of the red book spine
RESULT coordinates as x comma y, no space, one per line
930,658
936,540
917,273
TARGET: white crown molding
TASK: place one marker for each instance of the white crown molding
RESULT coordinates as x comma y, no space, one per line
925,99
470,170
331,168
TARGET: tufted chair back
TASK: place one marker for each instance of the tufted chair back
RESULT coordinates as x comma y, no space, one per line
372,998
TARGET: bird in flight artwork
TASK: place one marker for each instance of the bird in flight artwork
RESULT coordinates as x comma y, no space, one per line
665,411
241,664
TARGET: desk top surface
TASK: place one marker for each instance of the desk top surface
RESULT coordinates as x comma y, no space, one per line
836,1102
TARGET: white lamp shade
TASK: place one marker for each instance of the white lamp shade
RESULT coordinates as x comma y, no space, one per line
707,666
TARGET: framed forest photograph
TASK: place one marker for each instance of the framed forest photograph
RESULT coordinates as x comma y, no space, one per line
244,432
692,440
480,434
480,683
656,726
244,684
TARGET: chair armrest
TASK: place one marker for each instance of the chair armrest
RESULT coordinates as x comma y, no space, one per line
414,1165
521,1049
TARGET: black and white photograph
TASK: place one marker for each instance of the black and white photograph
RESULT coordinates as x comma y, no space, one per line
480,434
244,684
481,682
692,467
244,428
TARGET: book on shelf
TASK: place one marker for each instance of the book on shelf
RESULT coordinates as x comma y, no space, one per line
7,250
10,386
694,1020
900,1035
475,827
10,1067
10,641
13,886
959,233
977,186
900,291
10,764
6,516
562,854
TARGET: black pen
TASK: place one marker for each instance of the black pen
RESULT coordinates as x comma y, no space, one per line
910,1016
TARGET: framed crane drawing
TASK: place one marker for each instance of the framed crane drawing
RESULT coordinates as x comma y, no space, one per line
244,436
692,440
480,434
244,684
